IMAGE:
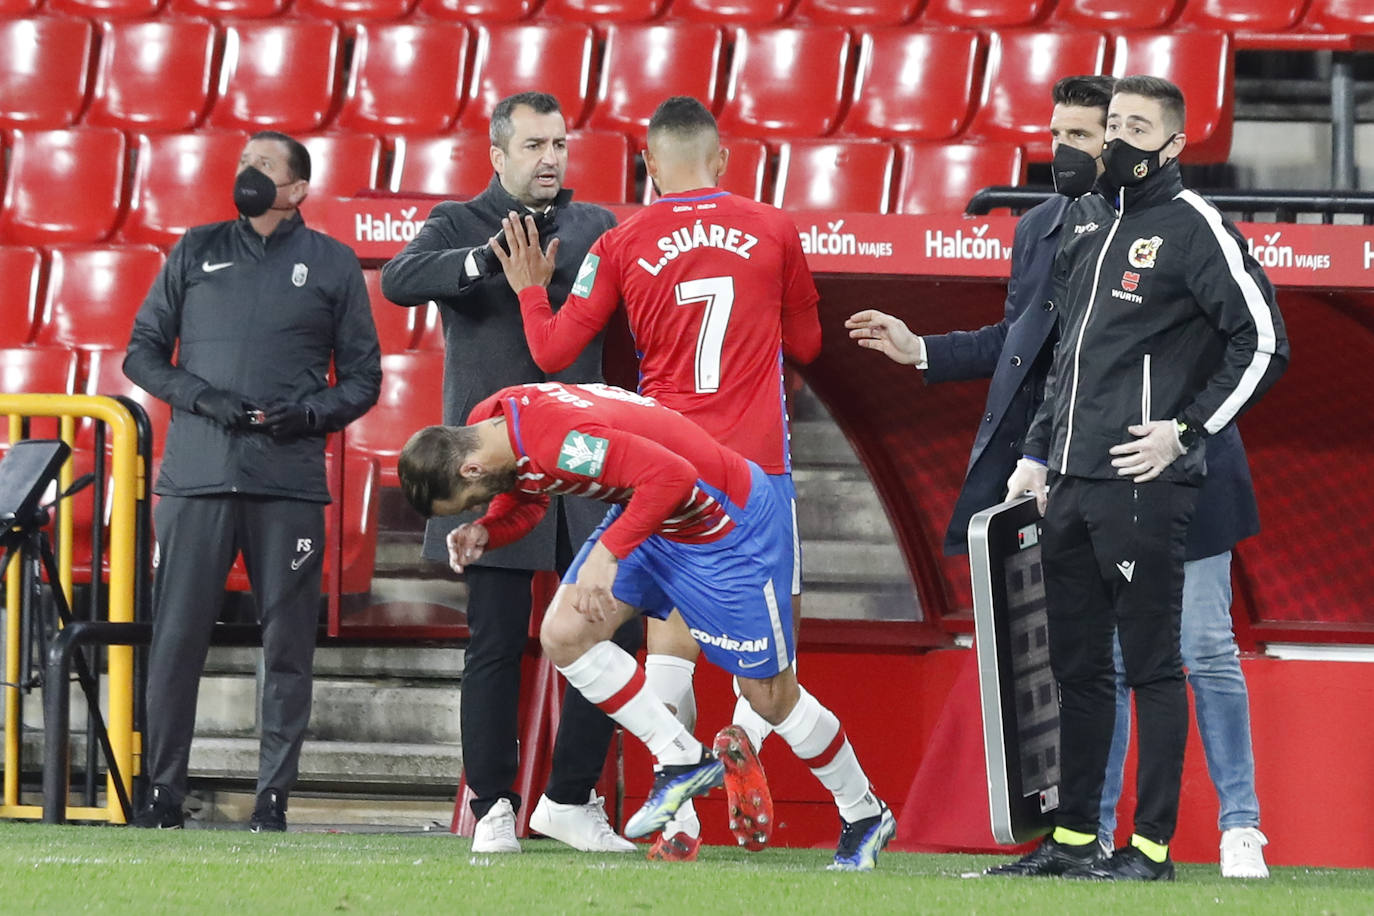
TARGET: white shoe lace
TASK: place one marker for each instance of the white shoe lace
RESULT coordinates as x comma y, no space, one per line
497,823
601,824
1242,853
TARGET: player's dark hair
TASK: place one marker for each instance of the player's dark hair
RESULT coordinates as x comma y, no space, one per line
1085,92
682,115
297,156
1169,97
503,128
429,464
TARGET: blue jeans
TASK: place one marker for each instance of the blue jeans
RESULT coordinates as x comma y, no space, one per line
1223,704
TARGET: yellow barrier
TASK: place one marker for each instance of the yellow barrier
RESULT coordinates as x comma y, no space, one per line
127,474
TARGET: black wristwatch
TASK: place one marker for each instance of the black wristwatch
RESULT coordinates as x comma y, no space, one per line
1188,435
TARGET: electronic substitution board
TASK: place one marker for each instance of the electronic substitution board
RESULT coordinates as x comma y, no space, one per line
1020,700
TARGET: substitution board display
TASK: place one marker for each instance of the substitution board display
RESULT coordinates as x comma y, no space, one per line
1020,701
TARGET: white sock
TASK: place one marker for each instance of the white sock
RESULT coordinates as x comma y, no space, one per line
684,821
815,735
608,676
671,678
754,725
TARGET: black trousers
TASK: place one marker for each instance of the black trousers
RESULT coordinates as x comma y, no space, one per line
498,623
1113,555
283,550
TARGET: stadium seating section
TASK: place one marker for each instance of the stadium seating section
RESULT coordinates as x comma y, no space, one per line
121,122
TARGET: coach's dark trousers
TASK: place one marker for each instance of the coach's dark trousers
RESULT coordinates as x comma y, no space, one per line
283,549
1112,553
499,606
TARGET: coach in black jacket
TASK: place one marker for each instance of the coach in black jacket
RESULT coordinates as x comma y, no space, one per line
450,262
1169,330
238,334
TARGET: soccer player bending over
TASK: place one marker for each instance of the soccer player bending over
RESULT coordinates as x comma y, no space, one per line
692,525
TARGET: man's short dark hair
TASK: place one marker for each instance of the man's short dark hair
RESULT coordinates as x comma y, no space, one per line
297,156
503,128
1085,92
429,464
683,116
1169,97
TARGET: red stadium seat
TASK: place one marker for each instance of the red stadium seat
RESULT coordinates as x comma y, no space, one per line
342,164
600,167
1250,15
182,180
1119,15
867,13
602,12
32,370
353,10
785,82
478,10
105,375
1201,64
897,67
405,78
644,64
410,399
732,12
1355,17
106,9
44,65
22,269
941,177
18,7
835,175
985,14
1015,106
277,75
395,325
63,186
550,57
153,75
229,9
456,165
94,293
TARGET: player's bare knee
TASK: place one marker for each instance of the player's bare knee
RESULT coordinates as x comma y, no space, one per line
562,635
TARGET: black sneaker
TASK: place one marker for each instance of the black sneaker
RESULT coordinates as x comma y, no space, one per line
159,812
1126,864
862,840
1051,858
269,814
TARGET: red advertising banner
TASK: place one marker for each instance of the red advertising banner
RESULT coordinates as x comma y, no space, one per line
1292,254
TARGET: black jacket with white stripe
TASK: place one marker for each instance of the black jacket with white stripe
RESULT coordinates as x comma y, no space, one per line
1163,315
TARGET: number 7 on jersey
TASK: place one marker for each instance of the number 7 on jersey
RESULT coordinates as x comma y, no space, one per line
718,294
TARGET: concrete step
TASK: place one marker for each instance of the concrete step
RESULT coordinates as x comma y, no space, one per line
851,563
820,442
895,601
840,509
355,661
307,811
412,767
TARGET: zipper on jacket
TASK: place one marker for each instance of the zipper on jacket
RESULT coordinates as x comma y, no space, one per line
1145,390
1082,329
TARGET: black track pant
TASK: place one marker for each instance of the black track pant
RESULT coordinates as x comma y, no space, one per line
283,549
498,621
1113,557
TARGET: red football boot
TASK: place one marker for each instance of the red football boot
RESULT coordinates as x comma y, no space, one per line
676,848
746,788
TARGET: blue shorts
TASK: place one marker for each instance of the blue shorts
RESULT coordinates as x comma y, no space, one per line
733,593
787,498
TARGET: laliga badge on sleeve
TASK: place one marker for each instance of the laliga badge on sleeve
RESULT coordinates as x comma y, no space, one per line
298,274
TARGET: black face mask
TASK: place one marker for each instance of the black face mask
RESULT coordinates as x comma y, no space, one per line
1128,165
1074,171
254,192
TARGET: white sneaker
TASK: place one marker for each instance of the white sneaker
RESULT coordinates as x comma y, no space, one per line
1242,853
495,832
583,827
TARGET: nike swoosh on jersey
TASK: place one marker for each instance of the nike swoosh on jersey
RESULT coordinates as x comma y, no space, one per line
300,561
211,268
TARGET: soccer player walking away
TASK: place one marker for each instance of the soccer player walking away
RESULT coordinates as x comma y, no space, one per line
693,526
717,292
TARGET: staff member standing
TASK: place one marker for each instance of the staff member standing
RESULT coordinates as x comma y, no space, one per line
451,262
1169,331
255,311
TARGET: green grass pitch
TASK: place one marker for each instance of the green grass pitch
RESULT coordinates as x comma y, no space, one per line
106,869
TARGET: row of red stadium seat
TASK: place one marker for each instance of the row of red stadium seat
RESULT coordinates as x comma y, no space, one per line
1331,16
71,186
173,74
